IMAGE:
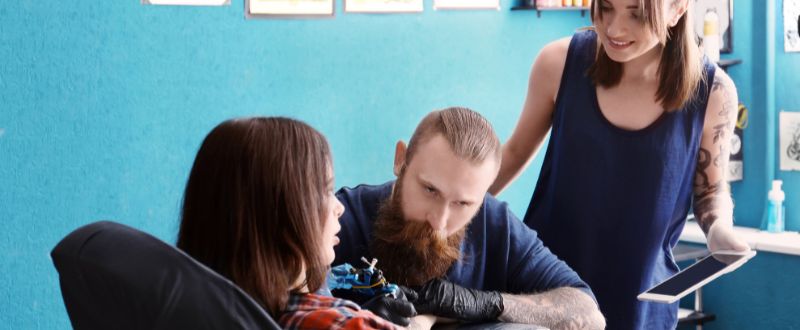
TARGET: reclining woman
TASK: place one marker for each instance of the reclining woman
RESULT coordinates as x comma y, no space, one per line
259,209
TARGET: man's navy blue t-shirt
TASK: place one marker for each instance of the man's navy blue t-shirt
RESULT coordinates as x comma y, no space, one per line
499,252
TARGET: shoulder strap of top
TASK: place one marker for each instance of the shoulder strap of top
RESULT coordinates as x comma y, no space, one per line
704,89
580,57
581,53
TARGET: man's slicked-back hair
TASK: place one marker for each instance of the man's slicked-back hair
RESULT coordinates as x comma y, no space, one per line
470,135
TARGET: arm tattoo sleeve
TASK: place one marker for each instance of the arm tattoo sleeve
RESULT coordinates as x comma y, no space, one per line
711,197
562,308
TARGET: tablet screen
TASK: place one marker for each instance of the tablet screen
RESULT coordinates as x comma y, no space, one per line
696,273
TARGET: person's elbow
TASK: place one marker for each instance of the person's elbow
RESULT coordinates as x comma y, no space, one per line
588,316
594,318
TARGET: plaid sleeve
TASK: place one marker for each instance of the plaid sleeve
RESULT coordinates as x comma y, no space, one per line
315,312
334,318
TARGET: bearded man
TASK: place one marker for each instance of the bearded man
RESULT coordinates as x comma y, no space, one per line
464,254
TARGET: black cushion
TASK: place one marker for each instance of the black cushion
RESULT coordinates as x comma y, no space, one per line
116,277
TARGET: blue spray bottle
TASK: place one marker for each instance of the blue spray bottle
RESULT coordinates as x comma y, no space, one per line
775,210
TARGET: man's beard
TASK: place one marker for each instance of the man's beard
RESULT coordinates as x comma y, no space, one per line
411,252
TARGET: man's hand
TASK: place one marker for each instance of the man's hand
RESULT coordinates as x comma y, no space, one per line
443,298
397,310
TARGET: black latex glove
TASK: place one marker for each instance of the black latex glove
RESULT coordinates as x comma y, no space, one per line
443,298
398,309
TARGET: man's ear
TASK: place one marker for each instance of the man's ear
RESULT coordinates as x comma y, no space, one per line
399,157
680,9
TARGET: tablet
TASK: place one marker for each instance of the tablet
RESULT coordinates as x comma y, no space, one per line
695,276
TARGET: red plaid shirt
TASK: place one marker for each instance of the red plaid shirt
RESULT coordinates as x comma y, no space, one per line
313,311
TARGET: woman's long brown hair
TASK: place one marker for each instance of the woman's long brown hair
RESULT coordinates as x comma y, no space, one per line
680,70
253,206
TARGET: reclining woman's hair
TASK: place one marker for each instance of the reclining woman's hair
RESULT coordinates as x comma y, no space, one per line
253,206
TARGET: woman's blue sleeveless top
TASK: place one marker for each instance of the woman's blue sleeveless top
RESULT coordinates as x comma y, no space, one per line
612,202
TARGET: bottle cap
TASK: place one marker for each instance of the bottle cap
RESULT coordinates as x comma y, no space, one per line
776,194
711,24
776,184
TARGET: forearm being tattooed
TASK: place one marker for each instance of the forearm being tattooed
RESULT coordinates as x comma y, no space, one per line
421,322
561,308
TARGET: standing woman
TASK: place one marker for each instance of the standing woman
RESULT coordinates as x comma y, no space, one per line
259,209
640,126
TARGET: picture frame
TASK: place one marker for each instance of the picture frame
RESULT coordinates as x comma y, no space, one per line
466,4
724,10
257,9
789,140
187,2
383,6
791,26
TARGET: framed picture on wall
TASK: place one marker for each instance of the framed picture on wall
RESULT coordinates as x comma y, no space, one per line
383,6
724,11
466,4
188,2
789,126
284,8
791,25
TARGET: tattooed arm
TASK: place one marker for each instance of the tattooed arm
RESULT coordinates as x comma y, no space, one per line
713,206
561,308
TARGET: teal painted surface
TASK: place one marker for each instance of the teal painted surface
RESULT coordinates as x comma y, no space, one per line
760,295
769,98
767,82
750,193
787,98
104,103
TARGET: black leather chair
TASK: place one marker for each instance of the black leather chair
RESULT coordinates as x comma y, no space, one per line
116,277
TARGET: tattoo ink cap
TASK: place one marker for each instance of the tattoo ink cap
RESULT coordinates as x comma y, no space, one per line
775,208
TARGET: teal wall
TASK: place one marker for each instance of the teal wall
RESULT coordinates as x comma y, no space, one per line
104,103
787,98
749,194
762,294
767,81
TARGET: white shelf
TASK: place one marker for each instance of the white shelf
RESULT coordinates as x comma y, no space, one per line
785,243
